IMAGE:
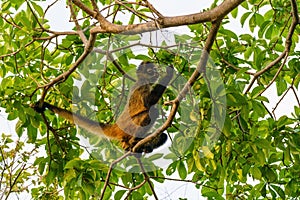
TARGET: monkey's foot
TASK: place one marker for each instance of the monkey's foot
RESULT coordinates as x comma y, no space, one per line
38,107
149,146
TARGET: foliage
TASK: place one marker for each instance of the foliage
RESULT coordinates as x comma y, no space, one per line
224,139
17,171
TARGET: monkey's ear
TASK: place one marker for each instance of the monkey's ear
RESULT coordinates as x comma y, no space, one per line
38,106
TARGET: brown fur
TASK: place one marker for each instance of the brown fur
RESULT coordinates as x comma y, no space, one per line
138,116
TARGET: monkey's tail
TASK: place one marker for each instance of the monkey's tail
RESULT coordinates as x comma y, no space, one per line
85,123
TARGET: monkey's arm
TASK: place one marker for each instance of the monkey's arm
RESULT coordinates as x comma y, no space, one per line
161,86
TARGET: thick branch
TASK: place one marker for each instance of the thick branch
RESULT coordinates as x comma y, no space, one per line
208,16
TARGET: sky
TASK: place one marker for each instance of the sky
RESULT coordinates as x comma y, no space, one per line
169,189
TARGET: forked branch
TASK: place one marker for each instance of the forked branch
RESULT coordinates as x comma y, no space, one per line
288,44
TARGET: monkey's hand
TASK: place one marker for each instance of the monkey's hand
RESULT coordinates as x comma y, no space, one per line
170,70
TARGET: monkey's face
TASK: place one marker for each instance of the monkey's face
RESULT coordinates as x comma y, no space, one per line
147,72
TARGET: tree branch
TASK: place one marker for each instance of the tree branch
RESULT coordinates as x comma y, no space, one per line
275,76
110,170
79,30
147,177
288,44
88,48
163,22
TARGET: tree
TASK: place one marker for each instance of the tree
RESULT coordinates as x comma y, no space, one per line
223,138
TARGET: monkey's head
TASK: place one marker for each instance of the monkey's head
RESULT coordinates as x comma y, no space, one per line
147,72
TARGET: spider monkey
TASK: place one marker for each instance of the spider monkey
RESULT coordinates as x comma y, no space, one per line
138,116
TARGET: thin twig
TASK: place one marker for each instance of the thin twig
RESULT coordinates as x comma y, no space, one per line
296,96
17,51
140,15
185,180
153,9
275,76
284,95
147,177
77,25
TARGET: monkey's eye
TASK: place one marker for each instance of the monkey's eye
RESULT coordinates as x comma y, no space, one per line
150,71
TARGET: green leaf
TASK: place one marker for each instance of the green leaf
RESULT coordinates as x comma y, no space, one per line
258,109
97,164
262,98
136,195
252,23
272,192
142,57
229,33
19,128
88,188
171,168
131,20
73,163
264,190
32,134
281,86
292,187
283,121
3,69
279,191
270,175
244,17
259,19
234,12
213,195
263,28
24,20
13,115
256,173
260,157
249,51
181,170
68,59
123,60
197,159
207,153
82,195
287,160
38,9
255,92
50,177
119,194
5,6
227,126
269,32
155,156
